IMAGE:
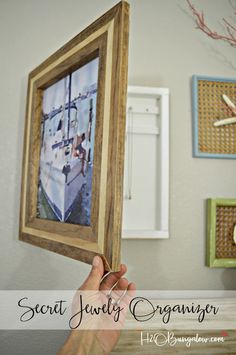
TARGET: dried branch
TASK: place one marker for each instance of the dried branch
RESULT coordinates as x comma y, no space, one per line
200,21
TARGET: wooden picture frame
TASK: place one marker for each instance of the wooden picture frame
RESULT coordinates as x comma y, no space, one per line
211,140
221,221
105,40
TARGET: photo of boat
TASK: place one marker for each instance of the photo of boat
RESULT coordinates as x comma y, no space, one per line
67,146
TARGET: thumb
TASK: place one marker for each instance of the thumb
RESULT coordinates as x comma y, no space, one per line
93,280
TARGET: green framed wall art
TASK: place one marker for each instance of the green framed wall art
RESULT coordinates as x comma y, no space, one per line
221,222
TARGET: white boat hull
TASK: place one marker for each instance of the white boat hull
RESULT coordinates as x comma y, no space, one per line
61,190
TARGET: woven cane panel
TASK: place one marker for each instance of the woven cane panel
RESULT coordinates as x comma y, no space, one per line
211,107
225,222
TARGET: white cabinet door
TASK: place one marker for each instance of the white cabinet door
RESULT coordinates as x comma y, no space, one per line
146,180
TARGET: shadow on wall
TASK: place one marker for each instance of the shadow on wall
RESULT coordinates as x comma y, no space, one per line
30,267
32,271
229,279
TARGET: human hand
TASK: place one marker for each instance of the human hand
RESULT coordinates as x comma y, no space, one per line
112,285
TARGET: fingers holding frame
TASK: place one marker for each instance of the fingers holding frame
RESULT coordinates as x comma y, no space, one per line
111,278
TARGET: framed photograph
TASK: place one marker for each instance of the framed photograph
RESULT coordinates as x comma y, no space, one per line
221,233
73,160
214,117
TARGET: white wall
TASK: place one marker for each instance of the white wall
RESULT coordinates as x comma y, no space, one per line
165,51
